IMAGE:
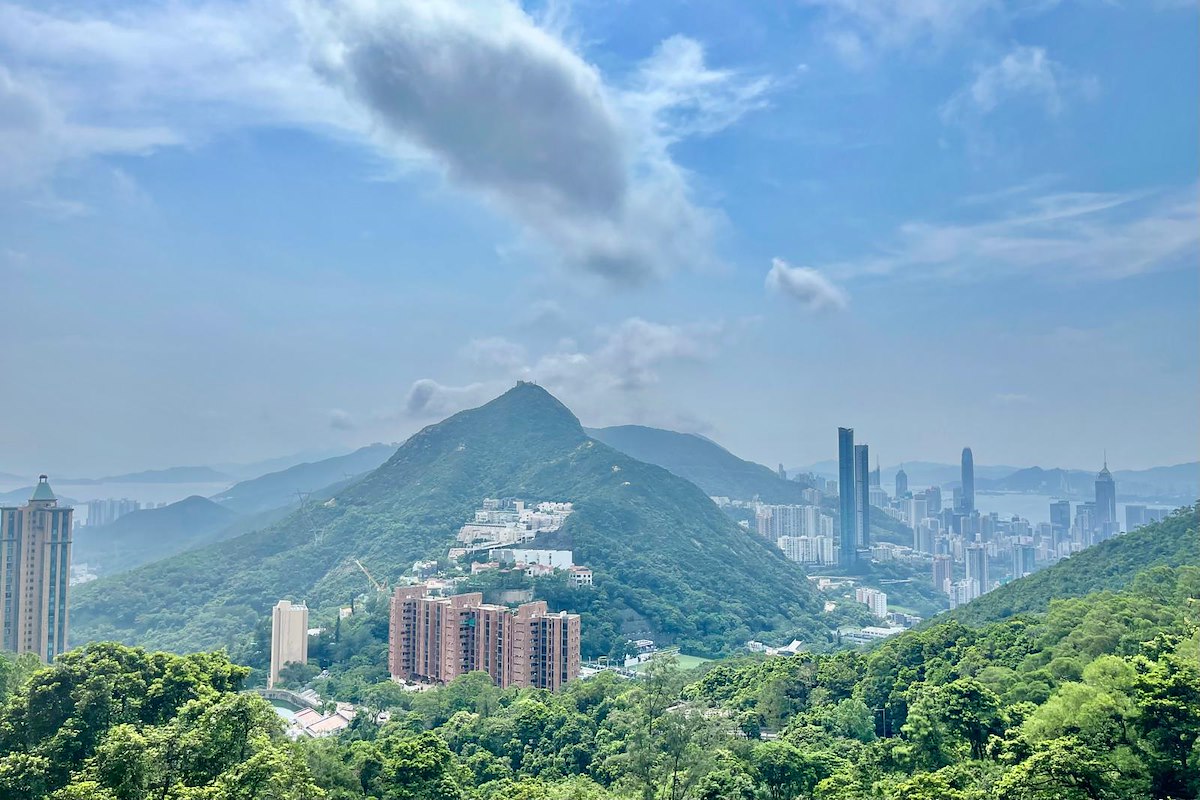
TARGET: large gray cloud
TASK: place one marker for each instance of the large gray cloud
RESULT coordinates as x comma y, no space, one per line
477,91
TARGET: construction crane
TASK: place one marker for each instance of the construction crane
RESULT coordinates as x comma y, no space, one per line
379,587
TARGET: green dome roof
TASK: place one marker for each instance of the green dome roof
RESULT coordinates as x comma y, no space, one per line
42,491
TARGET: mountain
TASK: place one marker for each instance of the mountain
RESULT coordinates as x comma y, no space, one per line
665,558
1180,482
168,475
703,462
252,469
1110,565
153,533
278,489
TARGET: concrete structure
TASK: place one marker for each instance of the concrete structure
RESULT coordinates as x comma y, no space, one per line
977,567
872,599
847,539
901,483
968,481
289,637
1105,520
438,639
35,574
943,573
1060,517
862,496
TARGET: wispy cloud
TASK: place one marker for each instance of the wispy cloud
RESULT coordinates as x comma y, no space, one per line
478,92
807,286
861,30
1067,235
1023,73
624,360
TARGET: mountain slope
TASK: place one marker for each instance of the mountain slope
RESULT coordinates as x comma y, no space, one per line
278,489
660,549
153,533
1111,565
701,461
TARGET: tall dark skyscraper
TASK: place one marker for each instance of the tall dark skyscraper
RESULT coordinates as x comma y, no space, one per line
901,483
875,473
862,496
1060,517
846,494
1105,521
968,481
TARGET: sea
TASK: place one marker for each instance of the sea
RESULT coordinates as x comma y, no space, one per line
145,493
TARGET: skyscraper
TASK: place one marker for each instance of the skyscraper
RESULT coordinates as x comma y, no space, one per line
968,481
847,552
901,483
1060,517
862,496
35,574
977,566
1105,520
289,637
875,473
943,573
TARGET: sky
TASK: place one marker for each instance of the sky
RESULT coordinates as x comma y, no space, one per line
236,230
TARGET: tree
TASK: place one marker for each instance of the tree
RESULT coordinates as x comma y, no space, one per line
1062,769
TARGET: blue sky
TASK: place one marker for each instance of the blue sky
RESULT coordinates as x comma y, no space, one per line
230,231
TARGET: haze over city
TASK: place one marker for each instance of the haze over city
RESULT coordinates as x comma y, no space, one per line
240,231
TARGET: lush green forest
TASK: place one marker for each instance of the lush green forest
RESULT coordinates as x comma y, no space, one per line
1097,698
667,562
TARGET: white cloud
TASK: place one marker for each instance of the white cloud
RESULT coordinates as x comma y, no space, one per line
1067,235
1023,73
501,107
625,360
860,29
495,352
805,285
428,398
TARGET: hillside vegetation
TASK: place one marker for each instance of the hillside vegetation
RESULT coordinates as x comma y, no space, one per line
703,462
1108,565
1096,699
665,558
150,534
284,488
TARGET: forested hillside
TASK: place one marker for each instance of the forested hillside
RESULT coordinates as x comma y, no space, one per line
701,461
1096,699
287,486
666,560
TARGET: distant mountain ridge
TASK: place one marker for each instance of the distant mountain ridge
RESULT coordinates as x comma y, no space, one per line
148,534
662,553
279,489
702,461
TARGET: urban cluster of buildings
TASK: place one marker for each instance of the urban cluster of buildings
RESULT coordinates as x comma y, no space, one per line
535,563
802,532
35,574
501,523
436,639
104,512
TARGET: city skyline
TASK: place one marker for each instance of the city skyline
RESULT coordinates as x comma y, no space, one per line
293,253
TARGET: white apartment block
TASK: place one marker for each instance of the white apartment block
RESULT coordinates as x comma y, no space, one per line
289,637
872,599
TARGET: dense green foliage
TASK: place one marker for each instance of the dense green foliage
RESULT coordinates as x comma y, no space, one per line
113,723
703,462
665,559
280,489
1109,565
1096,699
